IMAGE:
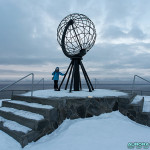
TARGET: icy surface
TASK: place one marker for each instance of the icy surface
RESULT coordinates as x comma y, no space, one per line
111,131
146,106
137,99
14,125
31,104
22,113
83,93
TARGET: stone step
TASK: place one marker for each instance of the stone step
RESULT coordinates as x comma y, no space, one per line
124,103
53,101
137,104
135,107
20,133
50,113
146,105
26,118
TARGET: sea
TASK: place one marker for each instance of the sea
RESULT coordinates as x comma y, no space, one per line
140,89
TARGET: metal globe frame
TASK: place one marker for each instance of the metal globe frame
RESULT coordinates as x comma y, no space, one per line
76,34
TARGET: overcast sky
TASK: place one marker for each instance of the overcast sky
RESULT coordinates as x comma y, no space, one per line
28,41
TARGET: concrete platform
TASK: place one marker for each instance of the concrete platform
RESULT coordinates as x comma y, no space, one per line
79,104
80,94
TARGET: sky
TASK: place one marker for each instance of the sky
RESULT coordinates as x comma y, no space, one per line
28,38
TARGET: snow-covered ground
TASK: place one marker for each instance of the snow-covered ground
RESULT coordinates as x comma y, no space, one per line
83,93
110,131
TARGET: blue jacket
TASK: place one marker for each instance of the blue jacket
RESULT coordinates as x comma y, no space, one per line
56,75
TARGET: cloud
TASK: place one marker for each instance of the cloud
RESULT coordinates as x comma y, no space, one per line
116,32
112,32
28,36
137,33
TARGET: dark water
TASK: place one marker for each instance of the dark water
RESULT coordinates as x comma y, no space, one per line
141,89
20,89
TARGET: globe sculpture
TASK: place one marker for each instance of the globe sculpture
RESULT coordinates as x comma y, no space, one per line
76,34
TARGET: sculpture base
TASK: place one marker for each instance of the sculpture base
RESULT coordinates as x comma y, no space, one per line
74,70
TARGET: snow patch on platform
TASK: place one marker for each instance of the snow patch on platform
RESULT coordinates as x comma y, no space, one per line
83,93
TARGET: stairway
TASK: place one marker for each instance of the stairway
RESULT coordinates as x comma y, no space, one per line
26,121
136,111
27,118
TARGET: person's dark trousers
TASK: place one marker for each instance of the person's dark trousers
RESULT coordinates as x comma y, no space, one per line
55,84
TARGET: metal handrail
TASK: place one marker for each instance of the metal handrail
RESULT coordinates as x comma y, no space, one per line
39,82
134,81
19,81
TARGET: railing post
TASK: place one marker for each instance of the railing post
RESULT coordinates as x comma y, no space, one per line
19,81
32,84
133,84
12,93
43,83
95,83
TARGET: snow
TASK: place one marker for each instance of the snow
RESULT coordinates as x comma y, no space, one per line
107,131
35,105
146,106
12,125
137,99
83,93
22,113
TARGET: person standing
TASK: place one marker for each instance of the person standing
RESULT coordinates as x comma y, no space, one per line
56,74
